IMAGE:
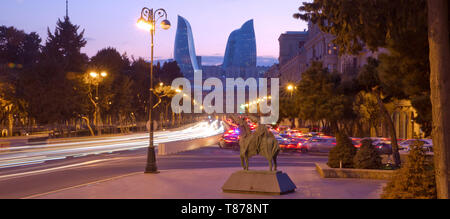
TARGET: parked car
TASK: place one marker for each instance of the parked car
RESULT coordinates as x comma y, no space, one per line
427,144
318,144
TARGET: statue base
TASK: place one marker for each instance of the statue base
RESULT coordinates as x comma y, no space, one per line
263,182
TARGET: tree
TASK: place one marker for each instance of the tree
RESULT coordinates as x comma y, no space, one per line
383,24
141,88
367,157
169,72
416,87
343,154
415,180
18,53
368,110
439,36
120,106
321,97
389,24
64,45
369,81
51,89
106,92
289,108
165,75
140,77
18,48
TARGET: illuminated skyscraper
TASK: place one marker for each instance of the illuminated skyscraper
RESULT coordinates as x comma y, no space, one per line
185,49
240,54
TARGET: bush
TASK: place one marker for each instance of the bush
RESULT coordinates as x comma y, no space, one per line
415,180
367,157
344,152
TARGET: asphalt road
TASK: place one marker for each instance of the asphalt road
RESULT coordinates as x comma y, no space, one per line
32,170
27,181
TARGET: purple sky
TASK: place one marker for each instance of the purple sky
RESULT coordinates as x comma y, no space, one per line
112,22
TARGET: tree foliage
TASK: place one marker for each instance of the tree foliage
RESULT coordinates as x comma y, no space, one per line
369,81
343,153
319,96
64,46
52,96
18,53
367,157
368,110
49,85
398,26
18,48
415,180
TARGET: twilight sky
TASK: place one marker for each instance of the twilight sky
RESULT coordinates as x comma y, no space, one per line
113,22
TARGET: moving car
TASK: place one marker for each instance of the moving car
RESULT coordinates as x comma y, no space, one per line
318,144
285,143
230,140
357,142
383,147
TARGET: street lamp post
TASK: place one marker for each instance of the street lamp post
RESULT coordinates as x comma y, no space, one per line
147,21
97,78
290,89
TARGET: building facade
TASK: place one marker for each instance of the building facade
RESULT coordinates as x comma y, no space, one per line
184,52
320,48
402,114
291,69
299,49
240,54
291,44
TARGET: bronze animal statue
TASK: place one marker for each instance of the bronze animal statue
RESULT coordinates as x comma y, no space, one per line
260,142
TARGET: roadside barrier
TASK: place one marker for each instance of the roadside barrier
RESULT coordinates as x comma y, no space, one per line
187,145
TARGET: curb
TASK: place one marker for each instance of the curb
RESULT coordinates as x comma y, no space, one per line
327,172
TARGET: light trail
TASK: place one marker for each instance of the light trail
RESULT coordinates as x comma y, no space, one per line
52,169
28,155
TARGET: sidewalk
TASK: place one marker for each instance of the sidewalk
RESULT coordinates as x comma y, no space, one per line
206,183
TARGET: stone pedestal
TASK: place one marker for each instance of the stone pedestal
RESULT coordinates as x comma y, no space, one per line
264,182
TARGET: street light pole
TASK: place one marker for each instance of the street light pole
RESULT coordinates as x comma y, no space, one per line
97,78
291,89
97,98
148,21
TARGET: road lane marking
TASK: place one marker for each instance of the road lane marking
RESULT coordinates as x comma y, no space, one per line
79,186
53,169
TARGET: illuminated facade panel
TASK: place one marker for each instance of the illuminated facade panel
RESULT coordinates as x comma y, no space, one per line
184,52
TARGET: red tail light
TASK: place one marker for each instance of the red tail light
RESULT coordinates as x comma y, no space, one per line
291,146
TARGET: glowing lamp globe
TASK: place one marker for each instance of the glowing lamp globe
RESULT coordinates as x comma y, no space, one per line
165,24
